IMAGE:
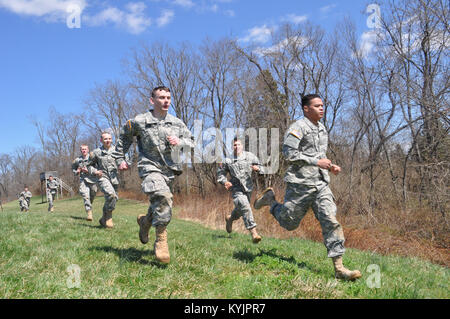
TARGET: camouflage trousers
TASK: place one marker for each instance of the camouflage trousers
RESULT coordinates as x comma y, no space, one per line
24,205
242,208
298,199
87,192
158,187
50,198
109,190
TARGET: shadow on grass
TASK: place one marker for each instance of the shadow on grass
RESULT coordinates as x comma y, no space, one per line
248,257
92,226
131,255
215,236
78,218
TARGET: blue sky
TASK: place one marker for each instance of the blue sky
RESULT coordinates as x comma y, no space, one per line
45,63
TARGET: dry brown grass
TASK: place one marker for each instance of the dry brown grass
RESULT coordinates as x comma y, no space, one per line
400,234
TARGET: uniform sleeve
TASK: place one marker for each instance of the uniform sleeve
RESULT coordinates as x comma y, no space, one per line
257,162
186,138
222,170
92,163
290,148
75,165
124,141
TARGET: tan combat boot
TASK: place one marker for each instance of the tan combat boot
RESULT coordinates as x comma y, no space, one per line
106,220
228,224
343,273
161,245
51,210
89,215
255,237
144,227
267,198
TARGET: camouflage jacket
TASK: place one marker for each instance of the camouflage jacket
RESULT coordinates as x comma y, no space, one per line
304,144
52,186
155,153
83,162
102,160
25,195
240,170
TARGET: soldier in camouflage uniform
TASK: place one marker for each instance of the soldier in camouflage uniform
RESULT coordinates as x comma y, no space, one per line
240,168
88,186
304,147
52,190
103,165
24,200
160,137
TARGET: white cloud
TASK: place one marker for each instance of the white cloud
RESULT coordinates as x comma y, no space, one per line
258,34
229,13
133,19
283,45
214,8
295,18
367,43
52,10
328,8
184,3
165,18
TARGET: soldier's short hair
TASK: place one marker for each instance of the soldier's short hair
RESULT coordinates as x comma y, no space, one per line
164,88
84,145
105,132
237,139
306,99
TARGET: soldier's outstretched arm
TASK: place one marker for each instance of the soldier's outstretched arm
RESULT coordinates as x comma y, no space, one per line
124,142
222,170
92,163
75,167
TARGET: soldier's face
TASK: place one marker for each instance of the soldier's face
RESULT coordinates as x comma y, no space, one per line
84,150
237,147
314,111
161,101
106,140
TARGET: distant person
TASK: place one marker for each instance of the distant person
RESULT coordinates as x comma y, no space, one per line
52,190
88,186
305,147
240,169
159,136
104,167
25,199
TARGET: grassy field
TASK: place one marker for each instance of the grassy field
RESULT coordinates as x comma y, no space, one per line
40,254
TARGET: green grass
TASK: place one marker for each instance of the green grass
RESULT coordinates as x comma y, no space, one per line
36,249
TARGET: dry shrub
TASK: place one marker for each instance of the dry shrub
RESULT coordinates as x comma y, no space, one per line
133,195
389,232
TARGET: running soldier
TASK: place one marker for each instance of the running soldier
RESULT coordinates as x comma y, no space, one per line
305,147
240,168
52,190
24,200
104,167
160,137
88,187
